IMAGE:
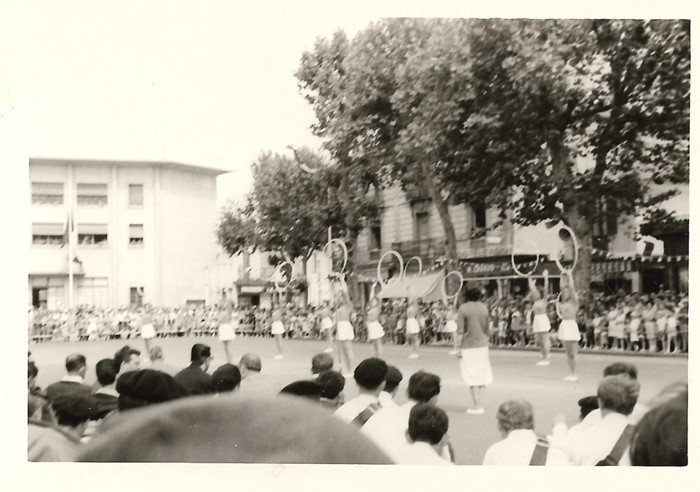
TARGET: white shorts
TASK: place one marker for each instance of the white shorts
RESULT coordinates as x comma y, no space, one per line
345,331
475,366
374,330
277,328
540,323
326,324
226,332
412,326
450,326
568,331
147,331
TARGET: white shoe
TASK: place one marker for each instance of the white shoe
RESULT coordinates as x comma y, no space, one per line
544,362
453,352
475,411
413,356
329,350
278,356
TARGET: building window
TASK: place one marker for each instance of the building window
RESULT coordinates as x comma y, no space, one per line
480,216
92,194
92,234
48,234
422,226
136,296
136,195
47,193
375,238
135,234
605,223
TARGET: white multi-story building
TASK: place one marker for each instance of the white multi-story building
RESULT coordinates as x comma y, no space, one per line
143,232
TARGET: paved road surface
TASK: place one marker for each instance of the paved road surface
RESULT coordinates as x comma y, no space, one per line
515,374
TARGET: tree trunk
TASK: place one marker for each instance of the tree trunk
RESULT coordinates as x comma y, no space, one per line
447,225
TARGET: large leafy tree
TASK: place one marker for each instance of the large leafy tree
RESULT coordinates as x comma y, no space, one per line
572,113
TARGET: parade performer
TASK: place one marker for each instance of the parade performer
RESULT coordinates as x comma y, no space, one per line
413,327
326,318
540,322
568,333
227,327
345,332
475,365
277,328
147,330
375,331
451,325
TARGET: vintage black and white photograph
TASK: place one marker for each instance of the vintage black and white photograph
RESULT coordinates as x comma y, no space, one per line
296,233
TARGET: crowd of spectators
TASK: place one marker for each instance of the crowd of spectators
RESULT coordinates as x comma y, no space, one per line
621,322
137,412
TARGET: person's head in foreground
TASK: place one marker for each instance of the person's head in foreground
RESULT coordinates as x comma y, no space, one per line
513,415
321,362
76,365
587,404
127,359
226,379
661,436
621,368
617,394
428,423
333,384
370,375
472,295
73,411
106,371
309,389
146,387
249,364
32,373
424,387
393,379
200,355
204,430
156,354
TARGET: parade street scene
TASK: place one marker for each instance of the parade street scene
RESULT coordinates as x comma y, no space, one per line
343,239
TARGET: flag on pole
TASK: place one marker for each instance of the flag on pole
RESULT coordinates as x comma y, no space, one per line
68,231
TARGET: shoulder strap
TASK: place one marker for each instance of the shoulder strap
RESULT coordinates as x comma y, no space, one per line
366,414
614,457
539,455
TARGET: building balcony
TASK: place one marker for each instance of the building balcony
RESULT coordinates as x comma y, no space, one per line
427,249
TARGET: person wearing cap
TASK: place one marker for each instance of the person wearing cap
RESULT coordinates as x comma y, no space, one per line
606,441
309,389
73,381
226,379
194,378
146,387
426,434
321,362
370,376
387,428
393,378
73,411
520,444
333,384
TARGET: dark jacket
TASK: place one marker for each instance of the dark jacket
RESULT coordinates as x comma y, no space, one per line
195,380
59,388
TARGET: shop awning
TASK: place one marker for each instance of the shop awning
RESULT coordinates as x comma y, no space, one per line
426,287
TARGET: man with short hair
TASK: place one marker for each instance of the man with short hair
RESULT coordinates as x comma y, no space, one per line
370,375
387,428
226,379
393,378
194,378
106,395
607,441
73,411
250,364
73,381
520,444
333,384
426,434
321,362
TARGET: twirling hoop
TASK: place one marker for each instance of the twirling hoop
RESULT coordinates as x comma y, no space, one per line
278,272
537,261
303,166
381,260
443,286
556,255
420,265
342,246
